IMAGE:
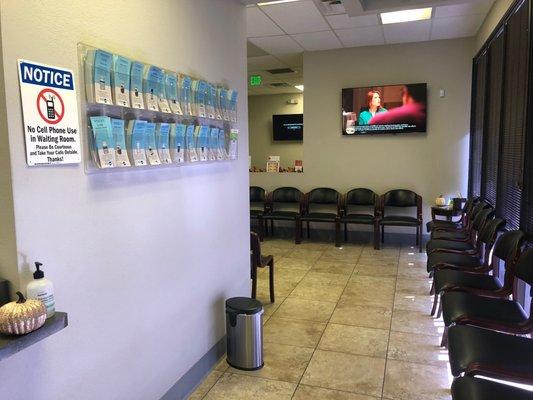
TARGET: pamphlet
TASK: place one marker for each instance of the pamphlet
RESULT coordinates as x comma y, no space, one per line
150,145
233,141
185,87
224,103
213,144
222,152
211,95
136,84
121,80
298,166
121,154
162,134
103,140
218,104
202,143
98,65
171,89
136,140
232,106
177,143
152,87
191,155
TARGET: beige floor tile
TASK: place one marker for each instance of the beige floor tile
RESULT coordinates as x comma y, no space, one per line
206,385
317,291
376,270
355,340
292,264
308,310
267,305
304,392
283,243
281,289
358,315
304,254
340,255
383,283
366,296
417,348
415,322
412,270
282,363
333,267
412,286
407,381
242,387
314,245
325,278
222,364
293,332
348,372
383,261
413,302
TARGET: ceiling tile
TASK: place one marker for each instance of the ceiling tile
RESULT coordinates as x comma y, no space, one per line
297,17
294,60
253,51
458,10
264,62
343,21
277,44
258,24
455,27
318,40
355,37
406,32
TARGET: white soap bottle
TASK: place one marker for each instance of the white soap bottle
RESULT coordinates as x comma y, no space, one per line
42,289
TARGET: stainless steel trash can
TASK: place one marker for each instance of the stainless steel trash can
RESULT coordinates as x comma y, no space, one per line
244,331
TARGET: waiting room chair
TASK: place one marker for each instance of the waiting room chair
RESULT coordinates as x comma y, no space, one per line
276,204
461,232
322,198
354,203
400,198
462,222
257,208
471,388
260,261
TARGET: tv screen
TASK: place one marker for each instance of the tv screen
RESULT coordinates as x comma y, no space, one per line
384,109
288,126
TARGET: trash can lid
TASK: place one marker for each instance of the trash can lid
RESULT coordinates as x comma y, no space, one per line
244,305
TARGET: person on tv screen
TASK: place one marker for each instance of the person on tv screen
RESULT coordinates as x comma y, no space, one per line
412,112
373,99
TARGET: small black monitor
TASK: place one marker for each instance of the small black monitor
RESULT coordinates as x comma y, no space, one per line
288,127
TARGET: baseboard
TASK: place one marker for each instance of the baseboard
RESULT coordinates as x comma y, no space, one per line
194,376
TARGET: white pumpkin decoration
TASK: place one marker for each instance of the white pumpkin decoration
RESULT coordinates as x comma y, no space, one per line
22,316
440,201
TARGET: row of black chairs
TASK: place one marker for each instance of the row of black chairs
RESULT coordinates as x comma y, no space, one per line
358,206
484,322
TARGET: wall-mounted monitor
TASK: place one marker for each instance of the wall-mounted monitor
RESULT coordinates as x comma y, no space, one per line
288,127
384,109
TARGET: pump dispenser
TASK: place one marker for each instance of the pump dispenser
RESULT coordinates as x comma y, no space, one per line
42,289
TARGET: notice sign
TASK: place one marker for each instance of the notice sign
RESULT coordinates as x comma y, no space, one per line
50,110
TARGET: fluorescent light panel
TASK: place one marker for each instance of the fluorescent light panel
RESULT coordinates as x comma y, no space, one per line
395,17
269,3
299,87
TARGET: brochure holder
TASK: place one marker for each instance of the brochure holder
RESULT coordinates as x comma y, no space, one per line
140,116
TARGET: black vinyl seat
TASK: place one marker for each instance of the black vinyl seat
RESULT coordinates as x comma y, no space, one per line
400,198
356,207
322,198
479,351
277,201
257,207
470,388
444,224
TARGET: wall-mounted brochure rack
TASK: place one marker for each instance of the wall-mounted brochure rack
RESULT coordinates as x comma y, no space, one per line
140,116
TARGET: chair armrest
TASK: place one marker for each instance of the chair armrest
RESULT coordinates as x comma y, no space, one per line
516,329
452,251
497,294
477,269
499,372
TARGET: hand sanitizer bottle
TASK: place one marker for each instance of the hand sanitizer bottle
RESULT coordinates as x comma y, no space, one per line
42,289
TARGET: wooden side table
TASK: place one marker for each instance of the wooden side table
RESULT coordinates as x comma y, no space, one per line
445,211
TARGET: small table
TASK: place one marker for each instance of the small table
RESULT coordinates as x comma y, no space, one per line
445,211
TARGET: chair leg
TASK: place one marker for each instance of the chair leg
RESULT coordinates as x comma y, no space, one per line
254,284
308,231
444,340
382,233
345,232
420,241
297,231
376,236
435,302
417,236
261,228
439,310
272,227
432,290
337,233
271,278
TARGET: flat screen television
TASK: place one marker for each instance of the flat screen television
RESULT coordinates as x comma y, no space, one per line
288,127
383,109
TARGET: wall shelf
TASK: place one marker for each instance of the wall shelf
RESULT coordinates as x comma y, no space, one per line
10,345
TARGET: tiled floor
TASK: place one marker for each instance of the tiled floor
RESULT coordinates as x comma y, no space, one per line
348,324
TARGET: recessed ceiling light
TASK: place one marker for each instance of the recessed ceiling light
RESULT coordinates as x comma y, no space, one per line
406,15
299,87
269,3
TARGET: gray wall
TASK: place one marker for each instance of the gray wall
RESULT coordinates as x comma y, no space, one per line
496,13
431,164
142,261
260,111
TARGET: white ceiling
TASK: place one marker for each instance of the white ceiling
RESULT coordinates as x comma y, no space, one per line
279,34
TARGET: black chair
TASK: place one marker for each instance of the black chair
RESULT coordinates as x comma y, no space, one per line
285,197
491,309
322,197
465,259
400,198
470,388
260,261
463,232
354,204
462,222
257,208
468,242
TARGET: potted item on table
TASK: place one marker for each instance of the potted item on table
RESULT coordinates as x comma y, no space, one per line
440,201
22,316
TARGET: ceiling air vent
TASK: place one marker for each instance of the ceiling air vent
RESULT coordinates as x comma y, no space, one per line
331,7
280,84
281,71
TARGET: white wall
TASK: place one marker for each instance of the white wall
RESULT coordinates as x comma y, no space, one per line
496,13
260,111
430,164
141,261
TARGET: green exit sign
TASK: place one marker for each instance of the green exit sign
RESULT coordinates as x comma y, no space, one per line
255,80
